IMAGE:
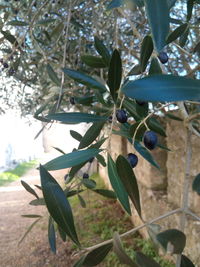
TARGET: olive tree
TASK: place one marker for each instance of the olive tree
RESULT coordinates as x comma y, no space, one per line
119,64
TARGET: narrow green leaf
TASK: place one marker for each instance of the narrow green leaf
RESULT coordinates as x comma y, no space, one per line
196,184
197,48
101,160
117,185
11,38
91,184
119,251
158,17
74,170
82,201
115,4
105,193
75,117
136,70
52,75
190,5
71,159
97,255
142,110
115,74
79,263
156,126
37,202
52,235
146,51
130,106
57,31
84,79
172,240
129,181
62,234
184,37
72,193
99,143
17,23
92,61
91,134
58,205
102,50
155,67
186,262
76,135
59,150
28,230
45,21
31,216
163,88
177,33
140,131
29,189
173,117
144,261
145,154
84,100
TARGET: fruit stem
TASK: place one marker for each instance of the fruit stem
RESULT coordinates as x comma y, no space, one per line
146,118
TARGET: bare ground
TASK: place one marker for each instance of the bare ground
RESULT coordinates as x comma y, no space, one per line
34,250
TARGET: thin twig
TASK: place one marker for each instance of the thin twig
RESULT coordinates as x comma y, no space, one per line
66,29
185,194
134,229
189,212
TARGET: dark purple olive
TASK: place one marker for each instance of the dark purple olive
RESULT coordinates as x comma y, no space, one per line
72,100
121,116
85,176
46,15
141,103
5,65
1,60
163,57
150,140
132,159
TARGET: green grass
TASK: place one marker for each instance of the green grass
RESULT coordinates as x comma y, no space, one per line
12,175
100,219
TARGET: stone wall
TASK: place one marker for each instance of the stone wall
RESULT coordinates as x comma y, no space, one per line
161,190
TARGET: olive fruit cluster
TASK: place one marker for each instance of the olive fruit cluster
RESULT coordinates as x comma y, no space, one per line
150,140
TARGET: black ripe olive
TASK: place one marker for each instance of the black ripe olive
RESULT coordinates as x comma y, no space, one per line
150,140
163,57
121,116
85,176
72,100
132,159
5,65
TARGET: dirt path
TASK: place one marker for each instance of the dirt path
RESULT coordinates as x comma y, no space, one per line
34,250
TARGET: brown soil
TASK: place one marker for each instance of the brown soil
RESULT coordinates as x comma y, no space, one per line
34,250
